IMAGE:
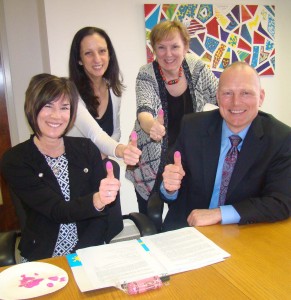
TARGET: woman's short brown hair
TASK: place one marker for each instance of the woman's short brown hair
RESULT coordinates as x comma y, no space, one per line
45,88
167,28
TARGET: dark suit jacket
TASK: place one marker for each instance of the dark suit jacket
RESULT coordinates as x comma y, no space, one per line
32,180
260,187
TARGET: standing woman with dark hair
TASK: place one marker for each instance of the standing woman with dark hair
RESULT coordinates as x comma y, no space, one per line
94,68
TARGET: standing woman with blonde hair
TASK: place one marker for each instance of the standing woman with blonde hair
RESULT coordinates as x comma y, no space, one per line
175,84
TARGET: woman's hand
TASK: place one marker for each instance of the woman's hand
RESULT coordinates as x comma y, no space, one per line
130,153
158,130
154,127
108,189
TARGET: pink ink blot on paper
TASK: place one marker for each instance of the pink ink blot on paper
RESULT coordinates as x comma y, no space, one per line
29,282
50,284
54,278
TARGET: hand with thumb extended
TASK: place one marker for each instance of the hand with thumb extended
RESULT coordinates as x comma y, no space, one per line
157,130
131,153
173,174
109,187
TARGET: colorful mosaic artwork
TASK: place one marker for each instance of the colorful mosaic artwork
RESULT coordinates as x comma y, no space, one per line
222,34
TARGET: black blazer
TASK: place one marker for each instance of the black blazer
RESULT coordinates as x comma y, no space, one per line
260,187
32,180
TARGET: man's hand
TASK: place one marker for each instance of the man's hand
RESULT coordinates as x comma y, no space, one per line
173,174
204,217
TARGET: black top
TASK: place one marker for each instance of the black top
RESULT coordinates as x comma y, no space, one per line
177,108
106,122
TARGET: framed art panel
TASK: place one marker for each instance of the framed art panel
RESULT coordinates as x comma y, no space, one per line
222,34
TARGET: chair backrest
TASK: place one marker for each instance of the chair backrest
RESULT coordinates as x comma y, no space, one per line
155,209
7,248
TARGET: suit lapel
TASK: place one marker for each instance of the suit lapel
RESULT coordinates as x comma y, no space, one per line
251,148
211,150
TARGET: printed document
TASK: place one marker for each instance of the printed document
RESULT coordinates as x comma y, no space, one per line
156,255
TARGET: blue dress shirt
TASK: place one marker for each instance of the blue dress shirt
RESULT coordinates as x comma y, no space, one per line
228,213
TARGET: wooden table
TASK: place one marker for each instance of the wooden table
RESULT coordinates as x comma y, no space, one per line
259,268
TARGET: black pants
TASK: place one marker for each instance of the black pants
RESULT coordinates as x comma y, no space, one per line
142,203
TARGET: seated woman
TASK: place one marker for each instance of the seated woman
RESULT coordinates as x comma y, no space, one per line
63,187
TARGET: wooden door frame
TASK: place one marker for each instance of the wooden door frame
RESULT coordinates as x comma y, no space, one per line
14,136
8,219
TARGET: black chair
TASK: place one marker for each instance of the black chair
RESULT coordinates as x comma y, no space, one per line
7,248
8,239
155,209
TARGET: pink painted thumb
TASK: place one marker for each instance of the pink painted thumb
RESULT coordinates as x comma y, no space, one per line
161,116
161,112
134,138
177,158
109,169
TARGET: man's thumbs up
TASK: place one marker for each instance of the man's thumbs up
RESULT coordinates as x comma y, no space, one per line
177,159
173,174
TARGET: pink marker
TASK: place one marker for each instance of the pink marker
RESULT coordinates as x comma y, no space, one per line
143,285
161,113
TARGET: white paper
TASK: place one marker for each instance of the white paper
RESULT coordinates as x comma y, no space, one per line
184,249
109,265
161,254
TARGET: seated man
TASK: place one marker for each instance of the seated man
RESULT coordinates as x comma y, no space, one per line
200,184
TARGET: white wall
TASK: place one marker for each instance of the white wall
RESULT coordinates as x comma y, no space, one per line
124,22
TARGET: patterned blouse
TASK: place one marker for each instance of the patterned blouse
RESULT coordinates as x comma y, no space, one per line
68,235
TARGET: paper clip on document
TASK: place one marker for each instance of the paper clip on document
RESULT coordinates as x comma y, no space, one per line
144,285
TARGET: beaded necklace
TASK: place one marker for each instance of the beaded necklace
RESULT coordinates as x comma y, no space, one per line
173,81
